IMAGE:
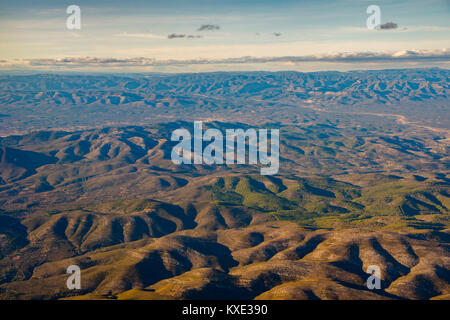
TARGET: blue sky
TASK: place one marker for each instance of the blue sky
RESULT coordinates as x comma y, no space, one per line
33,35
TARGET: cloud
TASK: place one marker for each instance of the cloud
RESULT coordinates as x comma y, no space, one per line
442,55
277,34
178,36
208,27
388,26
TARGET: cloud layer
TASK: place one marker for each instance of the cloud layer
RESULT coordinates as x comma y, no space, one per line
442,55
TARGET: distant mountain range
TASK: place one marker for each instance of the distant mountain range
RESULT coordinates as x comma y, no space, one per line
347,87
49,101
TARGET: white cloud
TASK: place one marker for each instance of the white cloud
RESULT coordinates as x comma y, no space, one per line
405,56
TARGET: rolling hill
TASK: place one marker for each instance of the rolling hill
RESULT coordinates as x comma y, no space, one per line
86,178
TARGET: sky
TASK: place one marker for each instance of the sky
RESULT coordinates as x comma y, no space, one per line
226,35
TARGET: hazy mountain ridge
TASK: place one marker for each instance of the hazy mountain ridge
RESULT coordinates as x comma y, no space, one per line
348,87
73,102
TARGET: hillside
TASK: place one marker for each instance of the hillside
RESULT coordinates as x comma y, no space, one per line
364,180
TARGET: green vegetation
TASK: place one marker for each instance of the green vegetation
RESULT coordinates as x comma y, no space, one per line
325,203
